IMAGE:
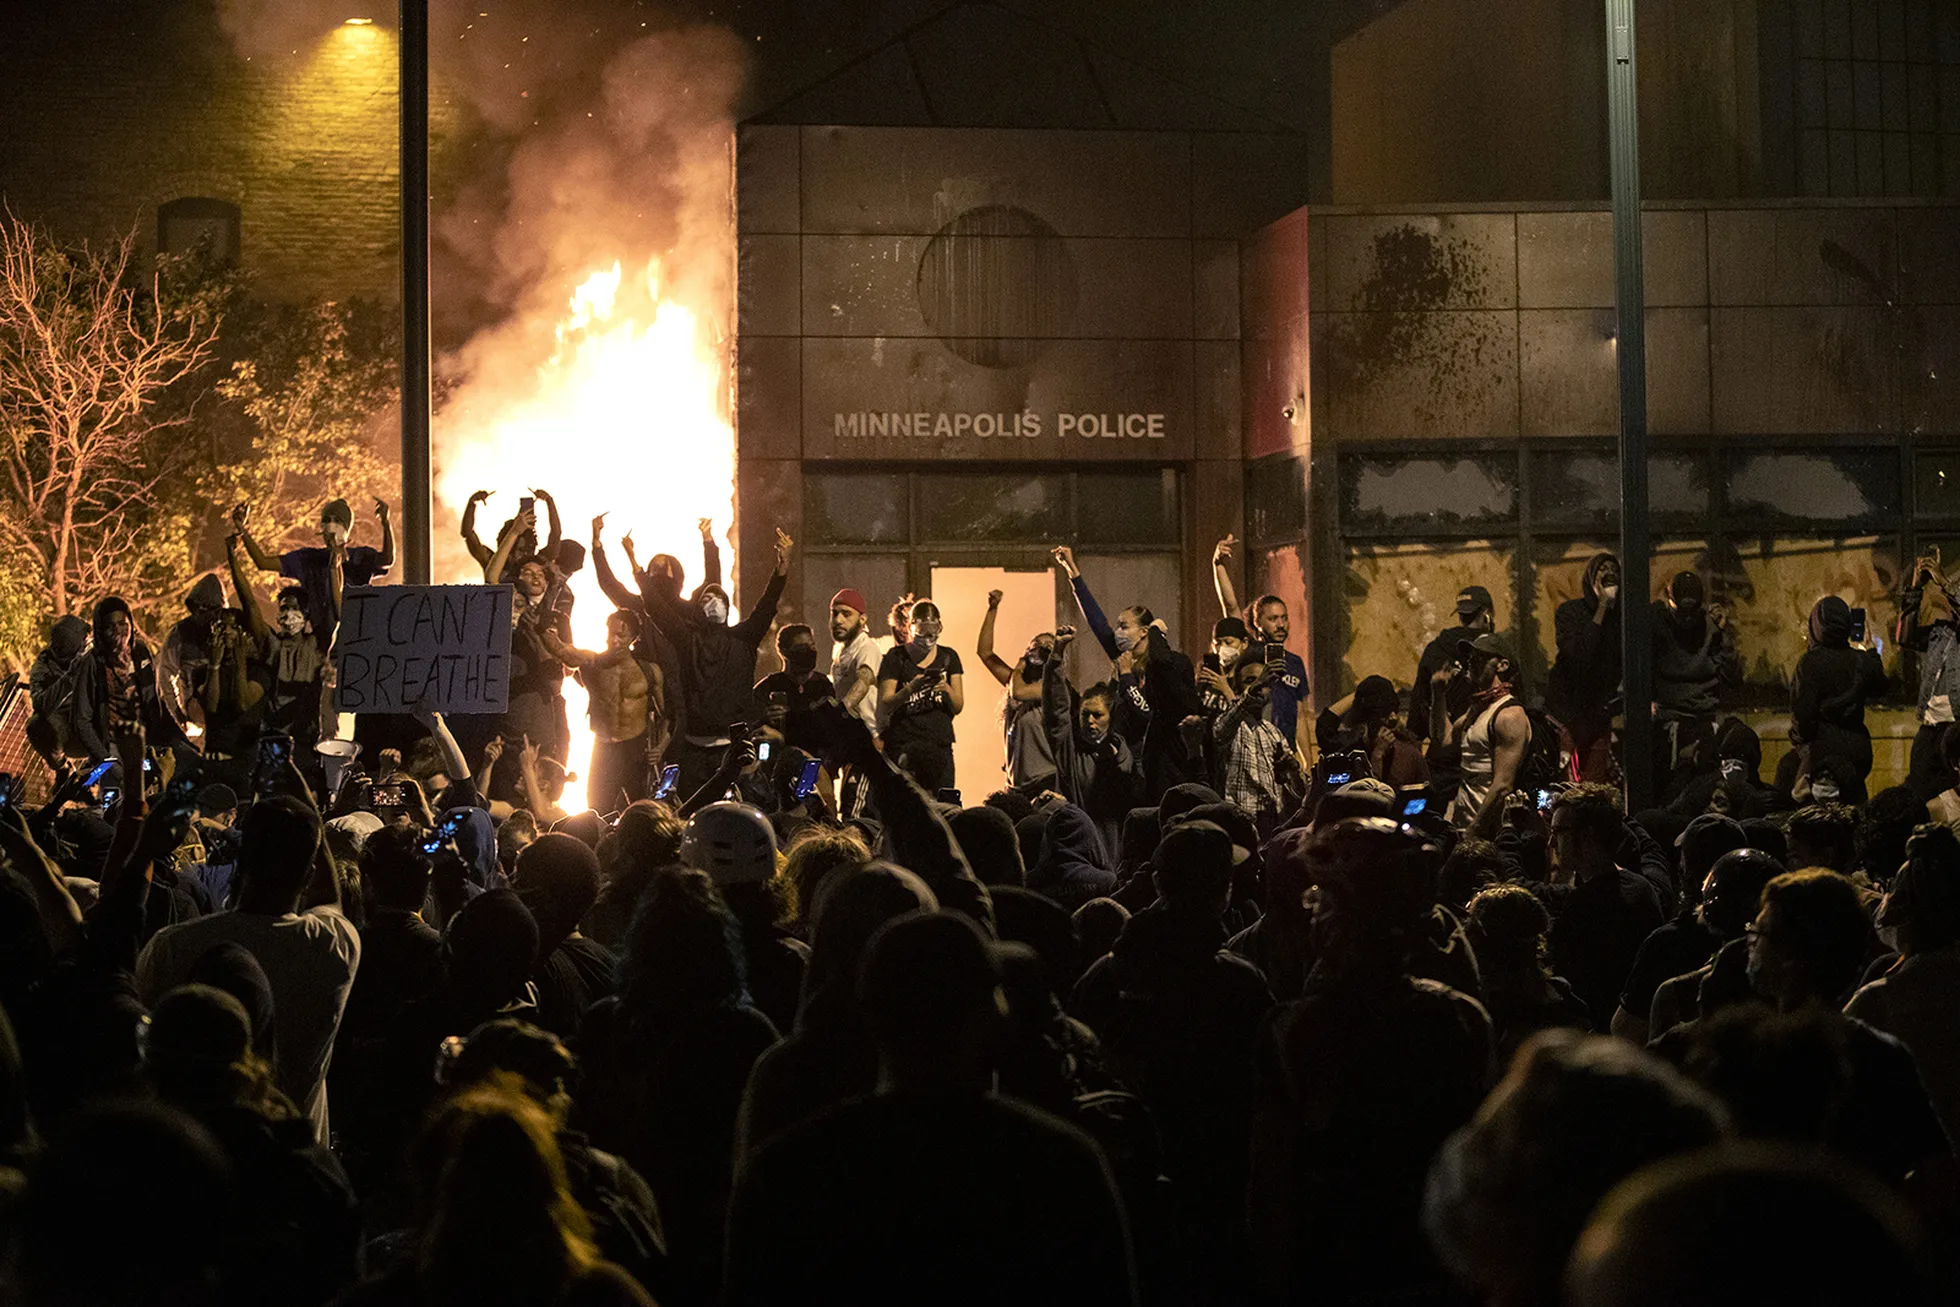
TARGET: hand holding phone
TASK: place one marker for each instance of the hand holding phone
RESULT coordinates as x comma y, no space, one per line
669,776
806,782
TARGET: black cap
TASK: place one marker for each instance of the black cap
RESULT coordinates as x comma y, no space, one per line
1230,628
1487,644
217,798
1375,696
1471,600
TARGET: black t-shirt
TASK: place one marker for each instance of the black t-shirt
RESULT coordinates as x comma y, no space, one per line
799,697
1674,949
928,1197
928,714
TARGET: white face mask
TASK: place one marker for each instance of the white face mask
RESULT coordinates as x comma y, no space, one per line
1126,639
1228,656
1824,791
716,608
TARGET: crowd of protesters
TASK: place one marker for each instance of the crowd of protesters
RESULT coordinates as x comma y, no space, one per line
1213,999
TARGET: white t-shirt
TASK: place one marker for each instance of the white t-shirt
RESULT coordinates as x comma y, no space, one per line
309,958
862,651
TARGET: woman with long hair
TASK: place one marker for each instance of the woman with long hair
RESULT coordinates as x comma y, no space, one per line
499,1225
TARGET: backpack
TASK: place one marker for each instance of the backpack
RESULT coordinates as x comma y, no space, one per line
1549,757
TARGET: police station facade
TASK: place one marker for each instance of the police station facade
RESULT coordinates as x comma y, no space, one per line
960,347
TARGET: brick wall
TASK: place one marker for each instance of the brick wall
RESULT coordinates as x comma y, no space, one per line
113,109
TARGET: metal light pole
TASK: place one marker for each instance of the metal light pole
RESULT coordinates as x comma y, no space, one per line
416,371
1630,305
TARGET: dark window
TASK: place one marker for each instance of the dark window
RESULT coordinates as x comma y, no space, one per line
1127,508
956,506
1582,490
1275,500
1417,493
193,224
1847,487
855,507
1936,483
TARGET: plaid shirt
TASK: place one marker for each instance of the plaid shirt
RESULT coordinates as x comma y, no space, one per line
1252,749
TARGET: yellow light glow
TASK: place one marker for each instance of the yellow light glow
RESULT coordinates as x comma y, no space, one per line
625,417
360,22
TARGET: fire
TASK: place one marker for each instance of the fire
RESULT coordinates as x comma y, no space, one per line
626,417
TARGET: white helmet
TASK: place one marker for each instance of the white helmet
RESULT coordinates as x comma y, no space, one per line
733,842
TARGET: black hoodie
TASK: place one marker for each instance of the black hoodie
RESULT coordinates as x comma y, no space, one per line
1831,686
92,689
1585,679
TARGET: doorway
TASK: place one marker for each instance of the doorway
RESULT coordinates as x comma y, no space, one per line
1027,608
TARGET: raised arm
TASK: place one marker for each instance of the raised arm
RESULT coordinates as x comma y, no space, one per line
556,532
337,580
710,554
387,534
248,596
985,646
526,520
478,550
920,839
609,583
753,627
240,515
1221,576
1058,715
1092,613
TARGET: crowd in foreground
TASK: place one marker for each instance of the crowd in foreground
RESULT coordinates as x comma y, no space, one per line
1212,1000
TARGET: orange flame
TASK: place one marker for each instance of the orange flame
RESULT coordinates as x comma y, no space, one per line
626,417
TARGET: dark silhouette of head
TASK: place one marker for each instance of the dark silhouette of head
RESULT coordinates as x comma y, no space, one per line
1921,911
1375,884
395,869
1576,1114
1810,938
114,1168
683,950
1193,868
557,877
930,991
986,835
278,839
500,1224
490,948
1733,890
1747,1223
849,909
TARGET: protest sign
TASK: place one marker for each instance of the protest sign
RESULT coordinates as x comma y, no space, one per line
436,648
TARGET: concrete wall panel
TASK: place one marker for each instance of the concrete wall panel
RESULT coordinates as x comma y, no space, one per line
915,180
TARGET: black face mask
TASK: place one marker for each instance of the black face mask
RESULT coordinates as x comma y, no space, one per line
801,661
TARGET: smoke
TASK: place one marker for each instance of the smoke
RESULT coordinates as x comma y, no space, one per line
567,135
262,29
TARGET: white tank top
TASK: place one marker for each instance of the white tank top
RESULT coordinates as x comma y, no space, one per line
1478,763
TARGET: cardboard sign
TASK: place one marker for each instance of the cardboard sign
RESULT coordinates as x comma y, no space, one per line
437,648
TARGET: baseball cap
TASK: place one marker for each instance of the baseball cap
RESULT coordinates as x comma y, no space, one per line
849,598
1488,644
1232,628
1471,600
